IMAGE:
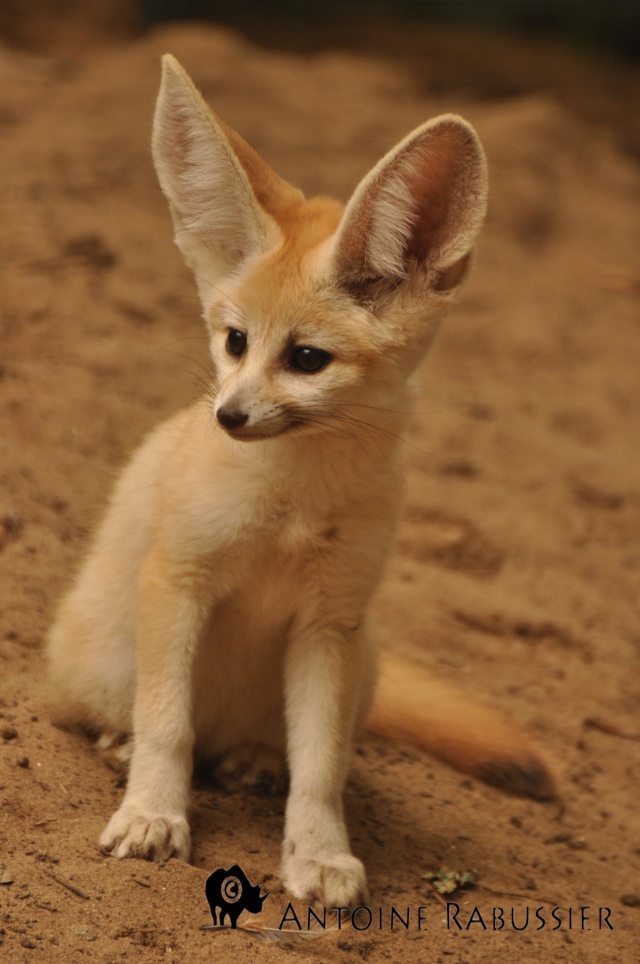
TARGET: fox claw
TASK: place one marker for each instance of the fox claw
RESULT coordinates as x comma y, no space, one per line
132,833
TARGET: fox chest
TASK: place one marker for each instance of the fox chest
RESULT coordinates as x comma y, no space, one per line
274,563
273,550
286,571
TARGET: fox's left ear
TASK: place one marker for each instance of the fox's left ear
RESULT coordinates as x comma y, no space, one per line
421,205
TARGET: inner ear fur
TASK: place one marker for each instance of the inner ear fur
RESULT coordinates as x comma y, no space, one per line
422,205
226,201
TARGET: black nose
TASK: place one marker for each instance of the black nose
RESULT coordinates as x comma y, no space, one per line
230,419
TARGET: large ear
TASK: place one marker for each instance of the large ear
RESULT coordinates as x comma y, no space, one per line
224,199
421,205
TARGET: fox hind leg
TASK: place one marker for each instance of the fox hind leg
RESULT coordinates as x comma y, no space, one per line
115,749
254,766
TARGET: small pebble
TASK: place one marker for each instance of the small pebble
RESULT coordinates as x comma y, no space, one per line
630,900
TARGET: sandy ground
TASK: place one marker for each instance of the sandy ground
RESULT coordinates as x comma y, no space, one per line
516,571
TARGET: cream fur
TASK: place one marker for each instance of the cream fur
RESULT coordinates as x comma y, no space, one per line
224,602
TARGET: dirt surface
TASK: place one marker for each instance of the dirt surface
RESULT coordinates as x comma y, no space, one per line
516,572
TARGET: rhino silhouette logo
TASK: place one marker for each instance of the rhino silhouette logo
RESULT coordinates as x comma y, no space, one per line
230,892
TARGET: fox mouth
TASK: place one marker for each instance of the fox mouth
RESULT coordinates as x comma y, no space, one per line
247,435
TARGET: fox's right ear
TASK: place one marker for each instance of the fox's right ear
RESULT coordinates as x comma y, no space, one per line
219,190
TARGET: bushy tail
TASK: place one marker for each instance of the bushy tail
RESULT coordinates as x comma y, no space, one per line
411,706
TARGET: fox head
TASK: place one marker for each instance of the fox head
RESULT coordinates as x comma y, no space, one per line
315,310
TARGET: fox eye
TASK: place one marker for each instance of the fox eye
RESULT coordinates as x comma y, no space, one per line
309,360
236,342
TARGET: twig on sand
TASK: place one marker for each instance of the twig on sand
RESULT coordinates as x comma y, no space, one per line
595,723
68,885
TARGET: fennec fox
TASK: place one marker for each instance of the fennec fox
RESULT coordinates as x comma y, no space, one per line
223,608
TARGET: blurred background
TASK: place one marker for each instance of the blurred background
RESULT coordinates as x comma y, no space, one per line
585,52
595,25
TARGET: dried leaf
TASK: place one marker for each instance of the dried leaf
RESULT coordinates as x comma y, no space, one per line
272,935
448,881
276,936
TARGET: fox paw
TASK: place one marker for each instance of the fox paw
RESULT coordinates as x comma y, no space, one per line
115,749
336,881
133,833
252,766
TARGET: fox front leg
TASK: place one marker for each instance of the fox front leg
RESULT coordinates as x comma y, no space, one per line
324,678
152,819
